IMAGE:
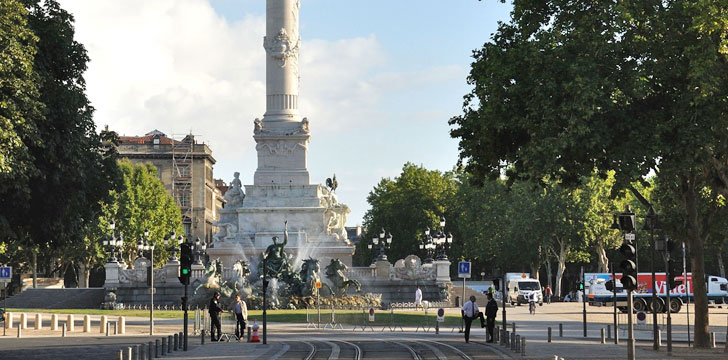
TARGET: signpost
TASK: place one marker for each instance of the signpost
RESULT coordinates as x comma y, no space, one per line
464,273
318,303
6,274
371,314
440,315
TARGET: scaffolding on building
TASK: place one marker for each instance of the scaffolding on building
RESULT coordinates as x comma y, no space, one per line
182,179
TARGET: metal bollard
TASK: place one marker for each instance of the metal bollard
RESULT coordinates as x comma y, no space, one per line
164,346
513,327
712,340
54,322
523,346
140,352
107,328
603,336
176,342
561,330
63,332
513,341
150,353
249,328
38,321
496,335
506,337
129,353
609,332
659,337
169,344
202,337
518,343
549,334
20,331
156,348
121,354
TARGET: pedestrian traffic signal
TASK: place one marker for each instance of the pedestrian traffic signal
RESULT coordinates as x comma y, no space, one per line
609,285
581,286
496,284
629,265
185,263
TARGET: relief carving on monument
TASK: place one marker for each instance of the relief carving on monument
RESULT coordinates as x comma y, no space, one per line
281,147
139,273
259,129
282,48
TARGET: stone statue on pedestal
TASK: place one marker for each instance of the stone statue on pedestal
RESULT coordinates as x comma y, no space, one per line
278,262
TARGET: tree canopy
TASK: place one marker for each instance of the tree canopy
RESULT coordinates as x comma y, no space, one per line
566,87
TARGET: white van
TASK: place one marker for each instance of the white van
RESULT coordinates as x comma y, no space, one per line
519,291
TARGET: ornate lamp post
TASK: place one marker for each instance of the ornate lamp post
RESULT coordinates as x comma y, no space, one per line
384,240
428,246
200,248
442,240
112,243
142,246
175,241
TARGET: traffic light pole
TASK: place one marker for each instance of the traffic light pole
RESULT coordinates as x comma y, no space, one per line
503,291
184,307
630,329
655,332
614,301
668,280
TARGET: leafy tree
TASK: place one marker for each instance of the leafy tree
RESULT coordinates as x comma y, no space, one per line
405,206
142,204
569,86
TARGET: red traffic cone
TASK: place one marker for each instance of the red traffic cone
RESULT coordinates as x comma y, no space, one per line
255,337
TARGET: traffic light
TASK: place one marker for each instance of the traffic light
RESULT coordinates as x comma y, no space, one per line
609,285
496,284
672,272
629,265
581,286
185,263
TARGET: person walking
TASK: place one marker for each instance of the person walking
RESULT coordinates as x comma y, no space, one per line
418,299
491,309
241,316
469,312
214,309
548,293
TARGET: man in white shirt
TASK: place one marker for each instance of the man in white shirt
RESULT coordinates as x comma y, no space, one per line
470,312
418,299
241,316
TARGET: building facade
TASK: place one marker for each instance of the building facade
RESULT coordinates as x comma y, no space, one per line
185,167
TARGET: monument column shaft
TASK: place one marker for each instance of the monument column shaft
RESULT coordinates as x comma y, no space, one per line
281,44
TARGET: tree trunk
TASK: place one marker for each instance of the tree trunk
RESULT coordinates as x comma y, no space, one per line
34,263
697,261
549,274
534,270
721,266
83,275
603,265
561,267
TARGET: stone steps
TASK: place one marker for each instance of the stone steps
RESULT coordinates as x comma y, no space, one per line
70,298
457,290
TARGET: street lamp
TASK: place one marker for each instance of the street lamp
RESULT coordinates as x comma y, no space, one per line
384,240
142,246
442,240
112,243
427,244
173,240
200,248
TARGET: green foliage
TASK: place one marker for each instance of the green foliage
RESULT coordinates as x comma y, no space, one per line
405,206
142,204
567,87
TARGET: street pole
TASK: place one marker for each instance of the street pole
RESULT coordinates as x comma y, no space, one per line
185,307
583,298
462,302
655,340
5,306
265,286
151,294
503,290
614,302
630,330
687,291
668,276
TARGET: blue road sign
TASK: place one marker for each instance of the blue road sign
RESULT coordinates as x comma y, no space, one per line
464,269
6,272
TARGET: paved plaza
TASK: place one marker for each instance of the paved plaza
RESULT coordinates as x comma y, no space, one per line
296,341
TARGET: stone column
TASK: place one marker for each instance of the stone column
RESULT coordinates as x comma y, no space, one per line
112,274
442,271
172,271
281,45
383,269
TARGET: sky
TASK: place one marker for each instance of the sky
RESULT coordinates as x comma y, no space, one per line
379,79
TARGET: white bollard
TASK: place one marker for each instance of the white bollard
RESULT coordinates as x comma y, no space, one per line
63,332
24,320
38,321
102,325
9,320
86,323
121,354
70,323
129,353
121,325
54,322
20,331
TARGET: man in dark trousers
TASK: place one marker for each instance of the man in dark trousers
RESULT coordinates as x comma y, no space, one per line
491,309
214,309
470,312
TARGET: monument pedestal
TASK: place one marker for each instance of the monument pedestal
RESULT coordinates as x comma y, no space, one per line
442,271
112,274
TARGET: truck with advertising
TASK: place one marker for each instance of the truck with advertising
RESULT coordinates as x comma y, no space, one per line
595,286
521,286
